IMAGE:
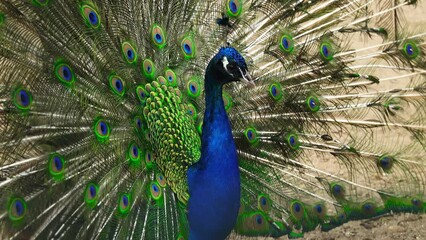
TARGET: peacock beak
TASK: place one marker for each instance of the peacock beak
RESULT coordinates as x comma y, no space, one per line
246,78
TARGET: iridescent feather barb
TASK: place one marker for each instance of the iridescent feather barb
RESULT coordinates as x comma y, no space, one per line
113,117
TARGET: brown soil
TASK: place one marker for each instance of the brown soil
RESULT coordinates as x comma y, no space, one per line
401,226
393,226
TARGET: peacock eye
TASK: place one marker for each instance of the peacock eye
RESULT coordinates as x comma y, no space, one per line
232,66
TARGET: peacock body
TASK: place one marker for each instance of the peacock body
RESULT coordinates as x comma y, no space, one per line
131,119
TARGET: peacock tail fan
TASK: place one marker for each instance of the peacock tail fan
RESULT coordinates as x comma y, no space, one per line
102,103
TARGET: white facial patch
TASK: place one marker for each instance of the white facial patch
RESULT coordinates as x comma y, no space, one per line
225,63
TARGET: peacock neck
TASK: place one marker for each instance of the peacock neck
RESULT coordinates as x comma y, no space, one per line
216,139
214,182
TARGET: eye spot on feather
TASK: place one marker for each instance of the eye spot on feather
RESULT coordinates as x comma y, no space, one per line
417,203
148,69
234,8
124,203
287,43
17,209
149,159
318,208
275,91
293,141
64,73
385,162
338,191
251,135
297,207
102,130
158,36
194,89
263,203
319,211
133,153
369,208
129,52
410,50
155,190
91,194
161,180
192,111
138,123
90,15
170,75
116,84
341,217
188,47
22,99
313,103
142,94
56,166
297,210
326,51
259,219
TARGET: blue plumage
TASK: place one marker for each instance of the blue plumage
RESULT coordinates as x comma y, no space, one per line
217,170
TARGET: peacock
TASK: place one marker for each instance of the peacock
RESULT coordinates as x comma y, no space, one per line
197,119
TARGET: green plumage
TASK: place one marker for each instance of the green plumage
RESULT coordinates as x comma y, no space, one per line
173,134
102,103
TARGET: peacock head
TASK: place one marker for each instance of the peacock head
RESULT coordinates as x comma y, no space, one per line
230,66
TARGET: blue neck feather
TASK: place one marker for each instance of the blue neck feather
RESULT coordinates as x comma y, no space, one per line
214,182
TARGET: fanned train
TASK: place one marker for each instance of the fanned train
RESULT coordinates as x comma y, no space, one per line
197,119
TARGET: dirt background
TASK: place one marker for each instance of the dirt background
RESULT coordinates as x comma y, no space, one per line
392,226
388,227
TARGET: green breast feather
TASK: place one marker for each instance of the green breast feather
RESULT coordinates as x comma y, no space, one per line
174,139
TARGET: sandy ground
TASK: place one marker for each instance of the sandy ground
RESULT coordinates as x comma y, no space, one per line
401,226
398,226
